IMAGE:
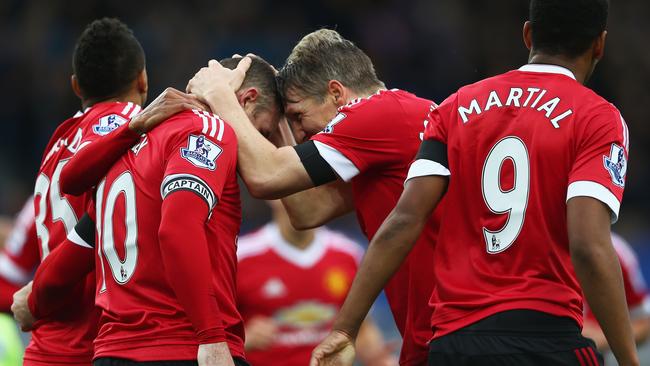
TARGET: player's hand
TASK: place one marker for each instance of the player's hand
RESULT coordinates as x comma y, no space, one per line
167,104
20,309
215,79
214,354
260,332
337,349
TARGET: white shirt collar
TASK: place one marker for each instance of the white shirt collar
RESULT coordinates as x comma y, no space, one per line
552,69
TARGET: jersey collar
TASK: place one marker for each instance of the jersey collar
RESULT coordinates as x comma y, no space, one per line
551,69
304,258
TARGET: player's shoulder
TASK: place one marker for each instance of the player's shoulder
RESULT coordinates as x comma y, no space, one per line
200,123
384,101
254,244
103,118
336,241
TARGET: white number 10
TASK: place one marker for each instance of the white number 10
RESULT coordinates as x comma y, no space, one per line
512,202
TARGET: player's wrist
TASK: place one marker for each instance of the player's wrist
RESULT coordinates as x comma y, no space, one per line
137,125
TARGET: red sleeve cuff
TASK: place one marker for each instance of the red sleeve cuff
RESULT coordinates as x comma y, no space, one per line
214,335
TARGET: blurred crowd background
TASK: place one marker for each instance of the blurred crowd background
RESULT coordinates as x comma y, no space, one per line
428,47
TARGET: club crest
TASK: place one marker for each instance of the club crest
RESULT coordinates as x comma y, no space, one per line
201,152
616,165
108,123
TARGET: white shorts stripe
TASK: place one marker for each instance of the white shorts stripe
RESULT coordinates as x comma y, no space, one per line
127,108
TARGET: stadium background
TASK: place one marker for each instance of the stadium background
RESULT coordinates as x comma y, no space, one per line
427,47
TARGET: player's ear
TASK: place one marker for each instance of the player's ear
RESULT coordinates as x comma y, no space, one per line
142,82
247,96
75,86
599,46
337,92
528,35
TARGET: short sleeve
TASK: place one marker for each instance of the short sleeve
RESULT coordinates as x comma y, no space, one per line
352,143
600,164
201,164
432,155
636,292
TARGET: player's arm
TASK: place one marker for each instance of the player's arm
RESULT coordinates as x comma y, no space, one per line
186,261
425,186
594,195
317,206
59,273
599,273
183,243
267,171
93,161
19,255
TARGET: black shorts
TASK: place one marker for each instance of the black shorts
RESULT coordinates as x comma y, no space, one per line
516,337
110,361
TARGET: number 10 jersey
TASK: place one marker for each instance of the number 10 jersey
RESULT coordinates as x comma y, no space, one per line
519,146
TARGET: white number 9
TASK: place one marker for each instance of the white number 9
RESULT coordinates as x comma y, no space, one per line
512,202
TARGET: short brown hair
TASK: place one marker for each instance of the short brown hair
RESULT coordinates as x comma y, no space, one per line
322,56
260,75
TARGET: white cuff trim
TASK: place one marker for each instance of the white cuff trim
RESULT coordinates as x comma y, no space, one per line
584,188
75,238
426,167
12,272
343,167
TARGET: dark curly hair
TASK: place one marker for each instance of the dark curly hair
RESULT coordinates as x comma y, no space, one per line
567,27
107,58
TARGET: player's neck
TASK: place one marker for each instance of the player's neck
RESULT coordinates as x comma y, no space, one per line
131,96
299,239
572,65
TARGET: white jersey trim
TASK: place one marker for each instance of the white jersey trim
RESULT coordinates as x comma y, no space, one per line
76,239
595,190
343,167
270,238
12,272
550,69
426,167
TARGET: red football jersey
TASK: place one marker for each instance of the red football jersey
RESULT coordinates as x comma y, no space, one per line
300,289
19,255
636,292
372,141
519,146
141,318
69,340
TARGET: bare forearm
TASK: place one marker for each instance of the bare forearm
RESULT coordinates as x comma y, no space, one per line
315,207
600,277
386,252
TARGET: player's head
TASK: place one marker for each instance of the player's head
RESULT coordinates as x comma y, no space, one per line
572,30
258,94
109,63
323,72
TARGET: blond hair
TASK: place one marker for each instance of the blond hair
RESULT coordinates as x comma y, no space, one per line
322,56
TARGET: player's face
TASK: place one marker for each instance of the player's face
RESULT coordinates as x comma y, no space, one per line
308,115
265,120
